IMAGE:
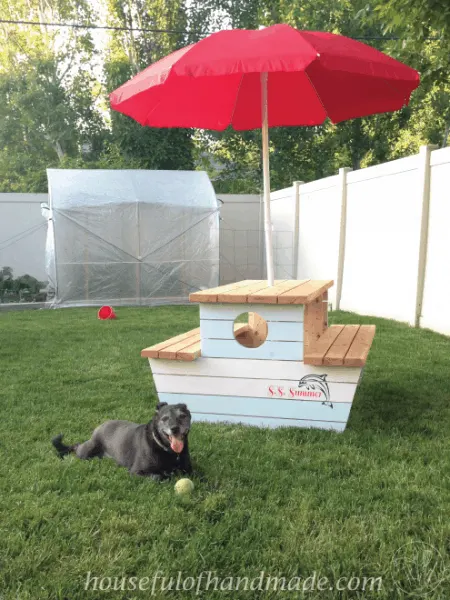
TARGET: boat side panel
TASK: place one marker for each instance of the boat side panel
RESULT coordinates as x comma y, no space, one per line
267,422
315,390
255,369
261,407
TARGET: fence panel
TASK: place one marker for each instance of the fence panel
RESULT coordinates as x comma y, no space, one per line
384,210
22,234
283,211
318,238
241,238
435,309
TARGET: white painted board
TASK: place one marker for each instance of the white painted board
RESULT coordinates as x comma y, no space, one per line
276,331
268,350
261,407
267,422
269,312
311,390
257,369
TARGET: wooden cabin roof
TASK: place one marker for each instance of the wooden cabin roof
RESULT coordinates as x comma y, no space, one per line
285,291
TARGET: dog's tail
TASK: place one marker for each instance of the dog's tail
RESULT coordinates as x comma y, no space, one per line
61,448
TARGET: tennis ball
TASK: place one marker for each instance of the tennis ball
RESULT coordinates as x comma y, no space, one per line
184,487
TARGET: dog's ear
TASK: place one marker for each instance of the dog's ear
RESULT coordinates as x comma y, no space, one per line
160,405
184,409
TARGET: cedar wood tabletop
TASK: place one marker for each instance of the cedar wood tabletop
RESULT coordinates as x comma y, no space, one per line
284,291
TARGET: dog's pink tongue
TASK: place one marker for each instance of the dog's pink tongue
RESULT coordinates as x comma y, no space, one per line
176,444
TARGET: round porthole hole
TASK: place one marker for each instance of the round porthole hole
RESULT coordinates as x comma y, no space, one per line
250,329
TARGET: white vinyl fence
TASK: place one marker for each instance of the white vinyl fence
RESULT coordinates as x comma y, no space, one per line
382,233
241,237
22,234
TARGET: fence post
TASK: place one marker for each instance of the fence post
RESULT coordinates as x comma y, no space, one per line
295,248
342,191
424,171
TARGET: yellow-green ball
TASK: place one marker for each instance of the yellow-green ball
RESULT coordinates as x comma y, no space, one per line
184,487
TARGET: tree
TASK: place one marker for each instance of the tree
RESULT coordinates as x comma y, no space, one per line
309,153
6,274
129,52
54,85
47,108
424,29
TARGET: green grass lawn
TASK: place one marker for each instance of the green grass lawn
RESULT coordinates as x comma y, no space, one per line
290,502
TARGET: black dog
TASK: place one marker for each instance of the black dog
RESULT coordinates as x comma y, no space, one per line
156,449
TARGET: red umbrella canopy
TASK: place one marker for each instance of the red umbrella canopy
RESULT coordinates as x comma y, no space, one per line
312,75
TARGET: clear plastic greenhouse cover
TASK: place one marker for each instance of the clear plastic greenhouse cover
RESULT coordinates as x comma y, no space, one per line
130,237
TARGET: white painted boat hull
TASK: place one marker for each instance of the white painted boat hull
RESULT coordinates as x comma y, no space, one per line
263,393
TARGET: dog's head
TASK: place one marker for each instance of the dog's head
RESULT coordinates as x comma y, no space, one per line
172,422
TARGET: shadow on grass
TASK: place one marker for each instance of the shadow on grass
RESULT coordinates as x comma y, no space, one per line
394,406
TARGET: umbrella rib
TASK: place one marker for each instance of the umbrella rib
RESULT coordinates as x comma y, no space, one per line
148,113
316,93
387,81
236,101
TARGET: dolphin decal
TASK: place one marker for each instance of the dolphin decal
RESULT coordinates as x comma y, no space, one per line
319,383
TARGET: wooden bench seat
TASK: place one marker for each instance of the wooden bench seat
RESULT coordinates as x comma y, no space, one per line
181,347
341,345
186,346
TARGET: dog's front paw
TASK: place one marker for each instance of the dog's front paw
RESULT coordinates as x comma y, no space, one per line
156,476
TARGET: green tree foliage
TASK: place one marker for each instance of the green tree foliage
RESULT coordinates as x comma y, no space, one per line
424,26
53,108
305,153
25,287
47,92
54,86
129,52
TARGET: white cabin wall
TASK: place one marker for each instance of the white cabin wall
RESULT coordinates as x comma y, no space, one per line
285,331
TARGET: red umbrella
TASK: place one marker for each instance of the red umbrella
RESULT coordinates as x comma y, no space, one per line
272,77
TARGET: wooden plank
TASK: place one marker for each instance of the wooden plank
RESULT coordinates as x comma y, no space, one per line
267,407
305,293
152,351
270,295
246,339
171,352
276,389
315,321
191,352
241,294
268,351
211,294
237,327
276,332
357,354
258,327
337,351
325,308
269,312
317,352
258,369
271,423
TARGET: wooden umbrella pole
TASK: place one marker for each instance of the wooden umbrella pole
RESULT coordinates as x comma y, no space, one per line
266,173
